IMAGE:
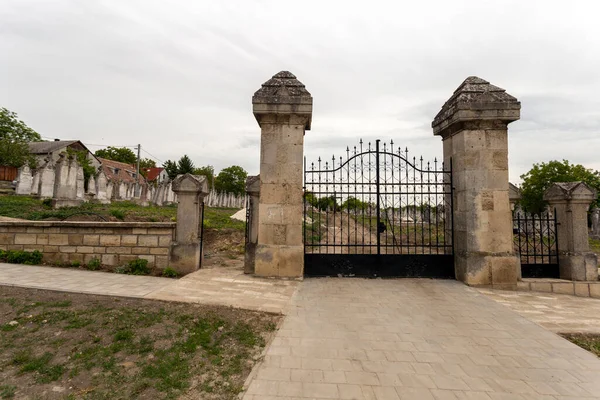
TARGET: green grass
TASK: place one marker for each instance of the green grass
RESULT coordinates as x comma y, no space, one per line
588,341
595,245
168,348
29,208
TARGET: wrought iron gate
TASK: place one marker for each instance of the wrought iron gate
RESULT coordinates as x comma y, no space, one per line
536,242
378,213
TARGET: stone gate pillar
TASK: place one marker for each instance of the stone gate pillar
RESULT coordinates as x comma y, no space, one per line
283,109
571,201
473,126
186,254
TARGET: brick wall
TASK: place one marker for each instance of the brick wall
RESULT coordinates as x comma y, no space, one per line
114,243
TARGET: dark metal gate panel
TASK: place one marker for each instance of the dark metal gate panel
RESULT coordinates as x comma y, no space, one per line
378,213
536,242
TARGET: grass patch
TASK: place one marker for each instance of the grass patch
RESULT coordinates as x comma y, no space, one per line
595,245
104,348
588,341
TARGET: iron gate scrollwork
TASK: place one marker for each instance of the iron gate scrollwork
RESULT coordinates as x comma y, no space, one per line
378,213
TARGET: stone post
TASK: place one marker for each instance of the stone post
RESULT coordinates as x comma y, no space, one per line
514,195
253,192
596,223
186,255
24,181
473,126
571,201
283,109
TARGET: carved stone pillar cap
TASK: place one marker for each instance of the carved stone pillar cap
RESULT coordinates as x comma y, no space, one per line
576,192
253,185
283,94
189,183
475,99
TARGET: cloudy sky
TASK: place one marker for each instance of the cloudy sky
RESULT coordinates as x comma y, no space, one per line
178,76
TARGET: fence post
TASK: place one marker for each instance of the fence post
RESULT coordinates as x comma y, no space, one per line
473,125
283,109
186,254
571,201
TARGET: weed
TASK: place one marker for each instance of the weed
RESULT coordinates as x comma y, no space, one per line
118,214
75,264
46,372
94,264
170,273
139,267
7,391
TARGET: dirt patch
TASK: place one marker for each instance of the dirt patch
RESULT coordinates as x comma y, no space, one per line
73,346
588,341
223,248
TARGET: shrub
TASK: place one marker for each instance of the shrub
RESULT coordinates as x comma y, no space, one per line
47,202
118,214
139,267
21,257
135,267
93,264
75,264
169,273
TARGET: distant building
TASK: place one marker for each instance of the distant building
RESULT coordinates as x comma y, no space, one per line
41,150
156,174
116,171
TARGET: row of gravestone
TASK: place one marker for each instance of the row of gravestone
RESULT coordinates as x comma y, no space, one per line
64,181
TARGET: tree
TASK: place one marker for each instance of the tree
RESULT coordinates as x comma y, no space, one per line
232,180
121,154
352,203
185,165
15,154
208,171
541,176
146,163
86,165
171,168
12,128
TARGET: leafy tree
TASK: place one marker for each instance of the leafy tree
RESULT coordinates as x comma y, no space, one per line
232,180
121,154
185,165
352,203
541,177
147,163
171,168
328,203
15,154
311,199
12,128
208,171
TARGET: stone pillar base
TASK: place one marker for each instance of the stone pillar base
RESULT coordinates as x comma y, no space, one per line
185,258
61,203
475,269
279,261
578,266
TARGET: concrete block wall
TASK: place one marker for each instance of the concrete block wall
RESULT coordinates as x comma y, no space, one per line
114,243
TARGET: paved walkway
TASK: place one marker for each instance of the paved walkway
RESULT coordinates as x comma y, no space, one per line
556,312
416,339
225,286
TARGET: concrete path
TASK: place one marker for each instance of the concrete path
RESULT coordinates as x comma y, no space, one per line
416,339
228,287
555,312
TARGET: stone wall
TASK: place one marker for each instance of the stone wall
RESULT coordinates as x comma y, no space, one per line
114,243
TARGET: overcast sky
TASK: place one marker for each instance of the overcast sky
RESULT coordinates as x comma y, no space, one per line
178,76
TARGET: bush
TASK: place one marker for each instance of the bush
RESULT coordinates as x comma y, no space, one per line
21,257
118,214
135,267
75,264
94,264
169,273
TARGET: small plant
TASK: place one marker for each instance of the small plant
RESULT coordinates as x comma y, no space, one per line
118,214
169,273
47,203
135,267
21,257
94,264
75,264
139,267
7,391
